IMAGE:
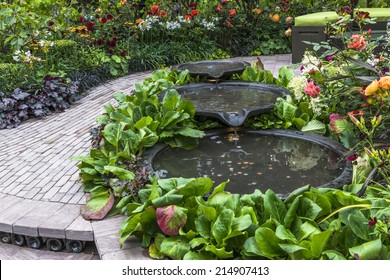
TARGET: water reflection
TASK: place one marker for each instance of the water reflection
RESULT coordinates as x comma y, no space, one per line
253,161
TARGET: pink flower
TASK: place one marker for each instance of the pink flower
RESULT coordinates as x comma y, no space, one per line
312,89
357,42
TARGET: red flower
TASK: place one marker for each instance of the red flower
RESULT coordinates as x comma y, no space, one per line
188,17
357,42
373,222
192,6
312,89
82,19
232,12
225,2
103,20
194,13
122,53
110,17
218,10
352,157
90,26
163,13
154,9
51,23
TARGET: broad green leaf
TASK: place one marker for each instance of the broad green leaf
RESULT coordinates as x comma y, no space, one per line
223,225
209,212
359,225
112,132
143,122
190,132
291,212
274,206
291,248
220,188
197,187
196,242
171,99
268,243
250,248
129,225
121,173
287,111
219,199
307,230
168,199
333,255
198,256
221,253
367,251
315,126
175,247
172,183
285,234
148,221
319,242
299,123
155,253
187,107
203,226
308,208
241,223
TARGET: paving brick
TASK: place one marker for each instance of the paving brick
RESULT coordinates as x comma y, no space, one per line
56,224
76,198
15,212
80,229
29,223
50,193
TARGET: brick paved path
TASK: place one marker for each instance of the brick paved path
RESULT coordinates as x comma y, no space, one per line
39,184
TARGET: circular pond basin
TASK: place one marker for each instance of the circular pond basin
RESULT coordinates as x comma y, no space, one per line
231,102
269,159
213,69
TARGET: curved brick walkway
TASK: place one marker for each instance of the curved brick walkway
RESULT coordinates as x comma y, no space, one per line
40,192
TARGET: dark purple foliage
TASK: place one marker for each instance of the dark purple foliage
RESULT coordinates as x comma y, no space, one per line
54,95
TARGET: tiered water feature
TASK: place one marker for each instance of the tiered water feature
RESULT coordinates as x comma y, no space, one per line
280,160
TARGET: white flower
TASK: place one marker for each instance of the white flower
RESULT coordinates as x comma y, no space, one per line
297,86
16,58
36,33
51,43
17,52
41,43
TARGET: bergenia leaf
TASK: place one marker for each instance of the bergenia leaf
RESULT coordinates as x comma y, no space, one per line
171,218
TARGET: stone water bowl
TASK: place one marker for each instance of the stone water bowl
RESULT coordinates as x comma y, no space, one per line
231,102
213,69
280,160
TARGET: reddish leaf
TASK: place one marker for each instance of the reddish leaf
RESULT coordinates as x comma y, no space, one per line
170,219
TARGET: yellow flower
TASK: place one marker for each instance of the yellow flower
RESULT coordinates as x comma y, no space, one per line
384,82
84,35
372,88
257,11
139,20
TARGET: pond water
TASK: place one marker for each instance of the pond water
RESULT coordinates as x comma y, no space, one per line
254,161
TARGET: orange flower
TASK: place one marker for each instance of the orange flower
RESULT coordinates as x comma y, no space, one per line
384,82
257,11
289,20
194,13
232,12
372,88
288,32
275,18
163,13
139,20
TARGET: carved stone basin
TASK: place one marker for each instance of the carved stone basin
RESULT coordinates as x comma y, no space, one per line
213,69
280,160
231,102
